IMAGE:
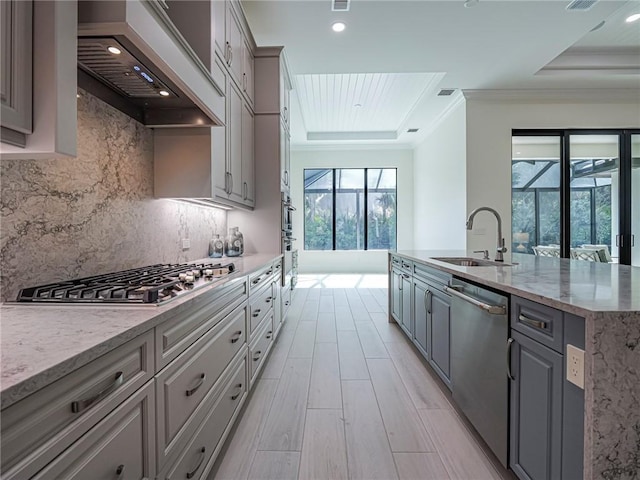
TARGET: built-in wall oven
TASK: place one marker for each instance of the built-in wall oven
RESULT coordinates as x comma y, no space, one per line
287,238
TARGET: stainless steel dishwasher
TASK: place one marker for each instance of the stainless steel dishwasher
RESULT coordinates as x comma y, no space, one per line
479,333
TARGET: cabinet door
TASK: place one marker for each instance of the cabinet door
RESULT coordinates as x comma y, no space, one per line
234,123
16,65
396,295
235,44
406,305
120,446
220,28
440,306
421,297
248,185
284,93
536,403
247,73
284,158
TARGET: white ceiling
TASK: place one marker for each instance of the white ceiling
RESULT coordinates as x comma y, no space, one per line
497,44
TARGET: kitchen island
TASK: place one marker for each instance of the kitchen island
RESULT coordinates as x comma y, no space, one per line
607,296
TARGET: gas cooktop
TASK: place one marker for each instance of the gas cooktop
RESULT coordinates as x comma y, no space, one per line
151,285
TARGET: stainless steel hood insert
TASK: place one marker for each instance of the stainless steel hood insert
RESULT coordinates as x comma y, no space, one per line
121,71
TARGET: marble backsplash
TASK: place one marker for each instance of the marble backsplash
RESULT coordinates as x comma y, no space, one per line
67,218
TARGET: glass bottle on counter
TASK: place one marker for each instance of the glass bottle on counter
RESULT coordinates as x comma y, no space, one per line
234,243
216,247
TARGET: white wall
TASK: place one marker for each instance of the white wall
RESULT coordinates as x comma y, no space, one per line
439,185
489,124
373,261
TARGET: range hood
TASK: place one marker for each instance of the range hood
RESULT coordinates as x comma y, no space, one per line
132,56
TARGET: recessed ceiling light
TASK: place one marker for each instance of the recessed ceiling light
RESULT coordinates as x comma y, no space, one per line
114,50
164,93
338,27
633,18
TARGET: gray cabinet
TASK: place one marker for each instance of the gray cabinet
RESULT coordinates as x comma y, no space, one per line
547,411
16,70
439,310
421,292
395,281
248,185
405,309
536,410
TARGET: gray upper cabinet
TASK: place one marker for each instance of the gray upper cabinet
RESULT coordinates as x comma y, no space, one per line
536,410
38,84
16,74
248,180
234,44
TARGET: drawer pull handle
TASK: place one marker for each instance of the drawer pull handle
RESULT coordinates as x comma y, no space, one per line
287,303
78,406
120,472
256,312
278,266
533,323
270,271
256,281
269,333
239,387
197,385
509,344
257,356
238,334
268,299
192,473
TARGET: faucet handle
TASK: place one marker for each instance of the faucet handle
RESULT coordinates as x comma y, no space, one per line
484,252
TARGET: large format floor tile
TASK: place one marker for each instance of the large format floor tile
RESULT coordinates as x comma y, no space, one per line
344,395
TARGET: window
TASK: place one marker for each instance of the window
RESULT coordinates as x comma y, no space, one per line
350,209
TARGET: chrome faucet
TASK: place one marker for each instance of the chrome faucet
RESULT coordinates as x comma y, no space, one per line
501,248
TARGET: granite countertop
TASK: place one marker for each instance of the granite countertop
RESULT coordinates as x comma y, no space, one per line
575,286
42,343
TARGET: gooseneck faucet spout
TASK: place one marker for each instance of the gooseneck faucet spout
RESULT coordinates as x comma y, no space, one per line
501,246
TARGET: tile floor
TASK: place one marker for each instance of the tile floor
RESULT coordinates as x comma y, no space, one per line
344,395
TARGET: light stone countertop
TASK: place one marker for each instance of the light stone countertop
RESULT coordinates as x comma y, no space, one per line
574,286
42,343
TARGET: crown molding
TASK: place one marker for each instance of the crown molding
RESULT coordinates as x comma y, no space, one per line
580,95
332,147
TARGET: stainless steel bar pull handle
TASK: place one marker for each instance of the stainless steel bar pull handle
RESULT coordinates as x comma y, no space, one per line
191,391
492,309
236,336
509,343
78,406
192,473
532,323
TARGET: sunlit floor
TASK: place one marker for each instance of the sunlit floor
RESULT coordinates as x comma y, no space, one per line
342,280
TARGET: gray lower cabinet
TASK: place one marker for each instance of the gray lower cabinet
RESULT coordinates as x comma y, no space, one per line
440,335
395,286
405,312
420,317
118,447
536,410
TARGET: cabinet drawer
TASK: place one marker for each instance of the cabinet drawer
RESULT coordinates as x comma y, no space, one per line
259,349
182,385
540,322
120,446
38,428
198,457
259,278
202,313
260,307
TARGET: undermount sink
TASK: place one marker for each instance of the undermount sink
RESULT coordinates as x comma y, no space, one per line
471,262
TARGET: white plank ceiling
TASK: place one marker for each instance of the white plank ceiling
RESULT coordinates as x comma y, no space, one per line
359,105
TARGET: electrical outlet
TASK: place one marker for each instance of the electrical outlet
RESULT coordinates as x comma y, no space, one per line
575,366
186,244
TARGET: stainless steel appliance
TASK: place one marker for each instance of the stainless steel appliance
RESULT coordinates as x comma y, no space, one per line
479,332
151,285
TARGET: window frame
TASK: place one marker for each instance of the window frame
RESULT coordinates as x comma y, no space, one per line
365,208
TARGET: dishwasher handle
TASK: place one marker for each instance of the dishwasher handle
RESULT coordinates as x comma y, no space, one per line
492,309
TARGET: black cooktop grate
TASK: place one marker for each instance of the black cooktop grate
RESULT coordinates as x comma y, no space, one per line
151,284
